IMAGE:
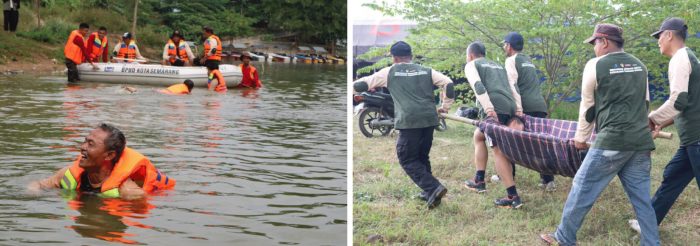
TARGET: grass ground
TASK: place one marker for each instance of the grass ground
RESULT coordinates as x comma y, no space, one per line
386,211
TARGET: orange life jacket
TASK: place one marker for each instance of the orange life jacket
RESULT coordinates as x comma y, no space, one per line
98,46
251,75
127,52
72,51
177,89
207,47
131,165
216,74
173,51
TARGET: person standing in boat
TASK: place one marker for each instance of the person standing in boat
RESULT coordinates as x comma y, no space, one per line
97,46
127,50
177,52
212,47
250,74
75,52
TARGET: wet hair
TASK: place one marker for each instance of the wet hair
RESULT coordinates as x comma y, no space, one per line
477,49
189,84
208,29
84,25
212,66
115,140
102,29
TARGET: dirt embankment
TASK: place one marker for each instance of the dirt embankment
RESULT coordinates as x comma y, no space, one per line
42,66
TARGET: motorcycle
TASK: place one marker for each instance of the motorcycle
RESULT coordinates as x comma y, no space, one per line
376,114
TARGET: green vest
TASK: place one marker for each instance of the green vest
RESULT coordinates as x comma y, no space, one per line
495,80
411,87
68,182
688,121
620,104
528,85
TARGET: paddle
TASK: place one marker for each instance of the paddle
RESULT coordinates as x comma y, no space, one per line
664,135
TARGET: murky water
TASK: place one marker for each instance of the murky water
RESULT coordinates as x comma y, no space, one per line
260,168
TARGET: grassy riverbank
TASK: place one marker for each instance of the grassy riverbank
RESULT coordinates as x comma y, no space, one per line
384,203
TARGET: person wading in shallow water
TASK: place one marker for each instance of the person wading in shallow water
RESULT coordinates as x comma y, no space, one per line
411,88
108,168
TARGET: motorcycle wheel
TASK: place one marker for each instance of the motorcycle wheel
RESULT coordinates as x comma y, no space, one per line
367,115
442,125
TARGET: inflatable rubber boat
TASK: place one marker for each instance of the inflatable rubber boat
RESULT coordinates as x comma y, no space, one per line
153,74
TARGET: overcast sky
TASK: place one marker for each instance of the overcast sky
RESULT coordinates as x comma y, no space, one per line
364,13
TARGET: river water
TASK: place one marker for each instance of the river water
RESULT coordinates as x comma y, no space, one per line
254,168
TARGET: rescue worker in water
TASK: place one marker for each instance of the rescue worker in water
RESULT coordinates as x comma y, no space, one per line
108,168
179,89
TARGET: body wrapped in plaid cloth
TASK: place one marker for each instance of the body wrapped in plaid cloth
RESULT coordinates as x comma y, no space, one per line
546,145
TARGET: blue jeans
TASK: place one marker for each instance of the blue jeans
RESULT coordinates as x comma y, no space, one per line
598,168
684,167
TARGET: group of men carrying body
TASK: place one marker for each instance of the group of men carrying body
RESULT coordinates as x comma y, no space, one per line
615,102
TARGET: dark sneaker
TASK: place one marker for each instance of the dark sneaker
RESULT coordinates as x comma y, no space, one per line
423,195
549,239
509,202
479,187
436,196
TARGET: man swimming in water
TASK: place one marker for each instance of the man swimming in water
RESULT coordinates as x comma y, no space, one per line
108,168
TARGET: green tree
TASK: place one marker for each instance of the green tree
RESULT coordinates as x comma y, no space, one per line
313,21
190,16
554,32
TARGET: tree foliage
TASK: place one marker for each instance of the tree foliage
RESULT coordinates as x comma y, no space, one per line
554,33
311,20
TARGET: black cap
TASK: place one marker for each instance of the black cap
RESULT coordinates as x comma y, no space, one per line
673,23
126,35
515,40
400,48
608,31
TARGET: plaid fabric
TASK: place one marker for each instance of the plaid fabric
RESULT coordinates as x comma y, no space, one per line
546,145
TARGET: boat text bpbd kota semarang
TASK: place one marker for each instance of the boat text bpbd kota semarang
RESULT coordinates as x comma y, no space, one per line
155,75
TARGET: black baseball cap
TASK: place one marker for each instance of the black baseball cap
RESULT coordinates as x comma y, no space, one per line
673,23
608,31
400,48
515,40
126,35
